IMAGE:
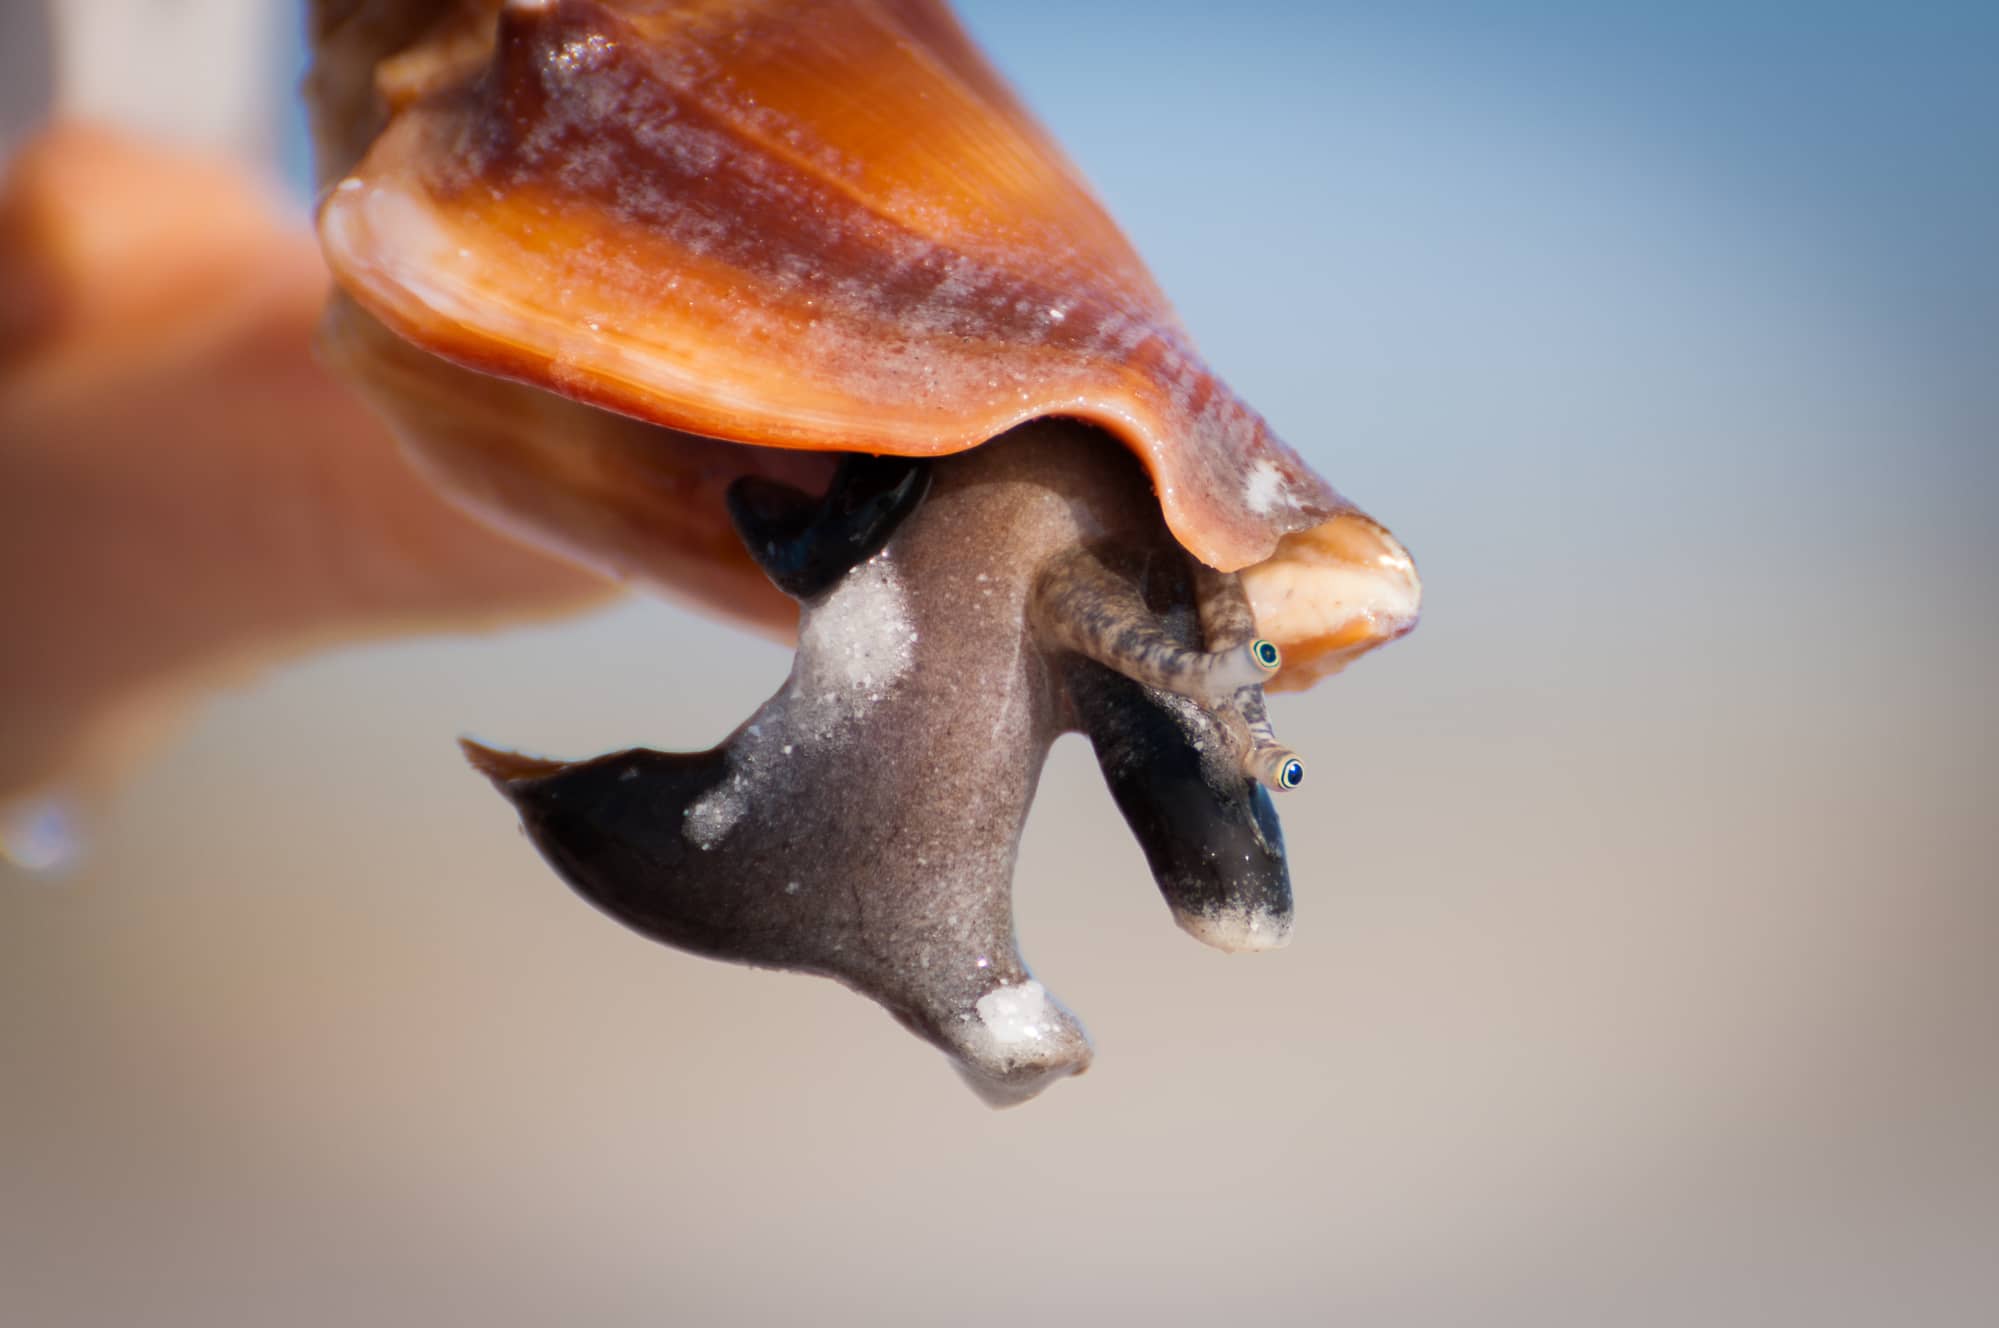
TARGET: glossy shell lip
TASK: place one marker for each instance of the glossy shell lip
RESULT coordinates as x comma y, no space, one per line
693,215
824,227
1330,594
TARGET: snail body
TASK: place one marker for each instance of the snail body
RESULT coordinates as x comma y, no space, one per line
903,751
791,309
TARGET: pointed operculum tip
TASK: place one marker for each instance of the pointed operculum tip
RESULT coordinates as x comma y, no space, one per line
506,768
1237,930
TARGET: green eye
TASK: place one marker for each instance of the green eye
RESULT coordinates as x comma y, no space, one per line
1292,775
1265,654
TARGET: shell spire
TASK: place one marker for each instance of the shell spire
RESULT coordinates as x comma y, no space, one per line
820,226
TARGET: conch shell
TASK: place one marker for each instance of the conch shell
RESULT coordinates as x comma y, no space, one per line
627,274
818,226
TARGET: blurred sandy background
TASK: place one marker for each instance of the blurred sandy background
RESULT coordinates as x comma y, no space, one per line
1644,971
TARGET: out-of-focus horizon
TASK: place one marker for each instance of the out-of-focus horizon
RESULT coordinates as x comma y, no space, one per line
1643,971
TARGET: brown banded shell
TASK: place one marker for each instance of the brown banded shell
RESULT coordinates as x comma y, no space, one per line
811,226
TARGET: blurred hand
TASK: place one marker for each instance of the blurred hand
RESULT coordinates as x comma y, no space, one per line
185,494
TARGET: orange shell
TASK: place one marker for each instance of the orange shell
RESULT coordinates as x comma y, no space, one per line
791,224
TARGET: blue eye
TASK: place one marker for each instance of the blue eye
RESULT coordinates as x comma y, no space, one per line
1265,654
1292,775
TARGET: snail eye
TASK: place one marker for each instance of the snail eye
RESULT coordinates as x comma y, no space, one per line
1265,654
1292,775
